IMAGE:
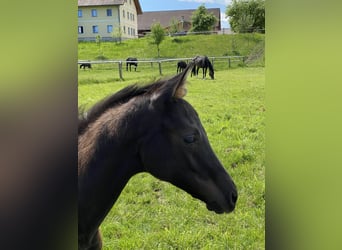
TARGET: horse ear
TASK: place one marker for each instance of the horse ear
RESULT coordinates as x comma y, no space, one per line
175,87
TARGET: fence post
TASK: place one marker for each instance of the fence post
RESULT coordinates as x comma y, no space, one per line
120,70
160,68
229,64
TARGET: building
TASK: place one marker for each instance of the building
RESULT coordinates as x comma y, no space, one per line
108,17
165,18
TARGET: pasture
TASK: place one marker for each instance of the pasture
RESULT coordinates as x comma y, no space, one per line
151,214
251,45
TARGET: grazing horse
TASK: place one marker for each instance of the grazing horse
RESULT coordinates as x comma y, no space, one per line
131,61
204,63
145,129
193,71
85,65
181,65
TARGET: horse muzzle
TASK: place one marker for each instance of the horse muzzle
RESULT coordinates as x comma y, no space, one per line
227,206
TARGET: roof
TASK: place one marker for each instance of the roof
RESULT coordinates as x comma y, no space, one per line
108,3
146,19
99,2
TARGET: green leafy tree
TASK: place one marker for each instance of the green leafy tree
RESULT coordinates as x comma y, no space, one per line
173,26
202,20
157,35
117,34
246,16
98,42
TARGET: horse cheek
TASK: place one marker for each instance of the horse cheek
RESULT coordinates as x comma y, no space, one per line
154,158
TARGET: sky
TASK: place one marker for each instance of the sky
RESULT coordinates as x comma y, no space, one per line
156,5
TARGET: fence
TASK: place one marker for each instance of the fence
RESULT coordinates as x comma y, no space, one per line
167,64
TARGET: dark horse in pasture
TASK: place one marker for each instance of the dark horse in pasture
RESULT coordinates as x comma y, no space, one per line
145,129
131,61
181,65
85,65
204,63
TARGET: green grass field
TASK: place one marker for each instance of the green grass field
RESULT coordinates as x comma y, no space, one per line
151,214
179,47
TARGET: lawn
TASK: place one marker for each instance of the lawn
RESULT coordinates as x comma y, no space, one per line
176,47
151,214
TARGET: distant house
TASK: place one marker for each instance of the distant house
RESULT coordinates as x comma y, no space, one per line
103,17
165,18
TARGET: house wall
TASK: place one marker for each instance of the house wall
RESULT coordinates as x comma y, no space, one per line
87,21
129,20
124,16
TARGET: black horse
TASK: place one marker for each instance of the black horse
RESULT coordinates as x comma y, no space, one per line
85,65
204,63
181,65
131,61
170,143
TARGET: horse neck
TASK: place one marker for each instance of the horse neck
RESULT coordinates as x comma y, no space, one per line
209,65
108,158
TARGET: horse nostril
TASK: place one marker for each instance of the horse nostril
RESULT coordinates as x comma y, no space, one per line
231,199
234,197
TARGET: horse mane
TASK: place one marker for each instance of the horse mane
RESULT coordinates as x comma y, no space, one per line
120,97
211,68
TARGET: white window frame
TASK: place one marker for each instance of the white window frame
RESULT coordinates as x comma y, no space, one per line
94,12
95,29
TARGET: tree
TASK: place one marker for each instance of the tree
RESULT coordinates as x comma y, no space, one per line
117,34
98,42
157,35
246,16
202,20
173,26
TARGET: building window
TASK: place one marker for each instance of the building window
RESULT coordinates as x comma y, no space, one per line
109,28
95,29
129,30
123,13
124,29
109,12
79,13
127,15
93,12
80,29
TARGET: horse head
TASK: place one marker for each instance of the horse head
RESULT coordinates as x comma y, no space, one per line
211,73
176,149
210,66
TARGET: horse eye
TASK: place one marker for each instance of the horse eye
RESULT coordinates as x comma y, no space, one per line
189,139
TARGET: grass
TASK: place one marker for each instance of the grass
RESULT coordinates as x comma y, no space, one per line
176,47
151,214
